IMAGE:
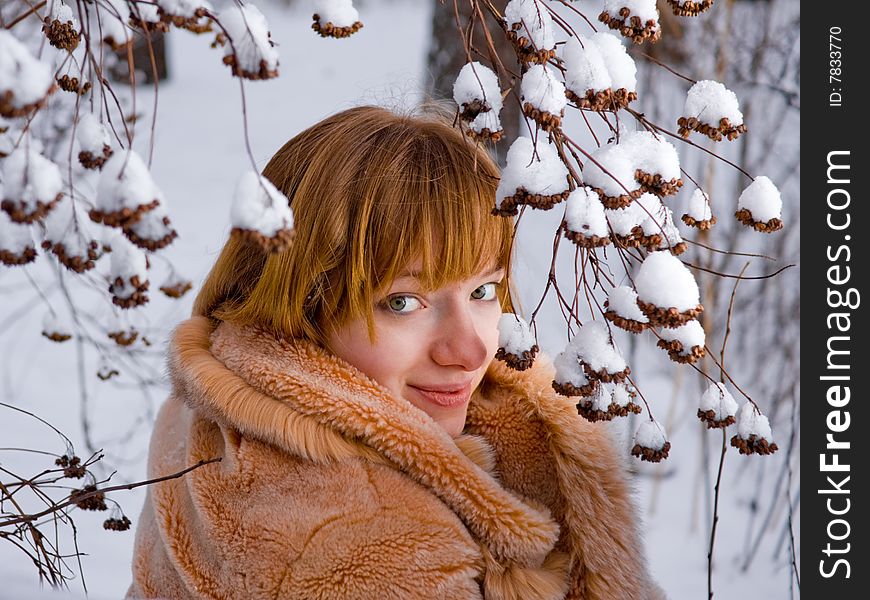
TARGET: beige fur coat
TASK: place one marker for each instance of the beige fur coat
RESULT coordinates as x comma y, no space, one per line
329,487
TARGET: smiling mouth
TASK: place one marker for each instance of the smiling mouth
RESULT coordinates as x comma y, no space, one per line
444,398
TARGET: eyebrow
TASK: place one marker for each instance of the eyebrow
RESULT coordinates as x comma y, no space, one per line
416,274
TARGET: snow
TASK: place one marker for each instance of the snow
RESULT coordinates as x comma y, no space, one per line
718,399
593,346
125,182
341,13
623,301
652,155
68,225
651,206
25,77
147,12
127,262
710,102
91,134
584,213
666,282
624,220
689,334
644,9
535,22
620,66
601,398
183,8
751,422
661,221
620,168
477,82
259,206
514,334
59,11
534,166
569,369
29,177
621,395
250,40
651,435
585,68
542,90
151,226
111,22
699,208
762,199
53,324
14,237
486,120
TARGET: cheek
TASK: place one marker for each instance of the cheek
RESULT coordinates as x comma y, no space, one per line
384,361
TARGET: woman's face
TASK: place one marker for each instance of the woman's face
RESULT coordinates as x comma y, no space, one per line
433,348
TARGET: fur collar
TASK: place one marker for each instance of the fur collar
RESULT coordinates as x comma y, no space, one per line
297,396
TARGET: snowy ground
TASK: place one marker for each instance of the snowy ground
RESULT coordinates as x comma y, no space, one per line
199,154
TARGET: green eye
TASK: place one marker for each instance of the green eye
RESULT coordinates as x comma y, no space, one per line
397,303
402,305
485,292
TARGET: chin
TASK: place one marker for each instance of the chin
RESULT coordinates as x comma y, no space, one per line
453,424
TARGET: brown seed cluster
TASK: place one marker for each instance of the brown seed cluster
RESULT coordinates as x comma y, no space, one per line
623,323
329,30
122,524
75,263
149,244
137,298
631,26
585,410
583,240
9,110
107,373
510,204
621,201
124,338
72,466
677,352
655,184
61,35
709,418
688,8
91,161
668,317
744,216
632,240
570,390
526,51
278,243
545,120
21,213
95,502
485,135
651,454
124,217
654,241
196,24
603,100
605,376
137,23
9,258
73,85
724,130
518,362
177,290
753,445
56,336
703,224
264,72
470,110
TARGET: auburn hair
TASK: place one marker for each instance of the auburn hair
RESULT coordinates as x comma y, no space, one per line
371,191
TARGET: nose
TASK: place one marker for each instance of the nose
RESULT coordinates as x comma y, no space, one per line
458,342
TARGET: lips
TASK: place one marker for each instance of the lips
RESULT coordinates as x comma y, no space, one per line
444,396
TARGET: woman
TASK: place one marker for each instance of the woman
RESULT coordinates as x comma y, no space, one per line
370,446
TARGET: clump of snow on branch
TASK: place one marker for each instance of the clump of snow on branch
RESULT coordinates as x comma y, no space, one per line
125,191
610,172
570,378
153,231
186,14
128,273
25,81
607,402
656,162
55,328
625,223
516,342
585,222
94,142
61,27
651,442
760,205
476,92
711,109
261,214
699,213
689,8
685,344
32,185
667,291
69,238
637,20
753,432
175,286
623,311
620,66
586,77
335,18
16,242
658,231
543,97
530,28
248,49
717,407
596,351
534,175
113,24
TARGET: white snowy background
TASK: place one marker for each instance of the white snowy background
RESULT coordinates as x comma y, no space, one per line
198,157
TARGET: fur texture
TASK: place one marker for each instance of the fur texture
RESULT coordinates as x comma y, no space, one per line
329,487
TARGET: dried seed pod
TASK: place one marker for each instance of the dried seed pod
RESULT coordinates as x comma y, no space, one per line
122,524
760,206
261,214
94,502
596,407
250,51
191,15
713,110
128,274
25,81
16,242
717,407
61,27
32,186
667,291
637,20
650,442
125,191
72,466
685,344
610,172
335,18
689,8
534,175
753,432
623,311
175,286
699,214
543,97
516,343
73,85
598,356
54,328
585,223
570,378
530,30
